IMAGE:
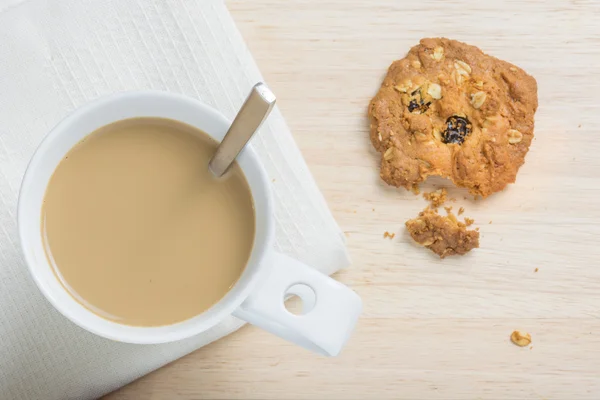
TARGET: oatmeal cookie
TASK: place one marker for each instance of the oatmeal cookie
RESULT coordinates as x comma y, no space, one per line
448,109
444,236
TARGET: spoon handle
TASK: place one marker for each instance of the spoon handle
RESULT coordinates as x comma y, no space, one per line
254,111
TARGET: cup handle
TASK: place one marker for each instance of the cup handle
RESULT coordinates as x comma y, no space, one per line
333,308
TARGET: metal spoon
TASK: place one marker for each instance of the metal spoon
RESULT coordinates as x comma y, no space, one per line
254,111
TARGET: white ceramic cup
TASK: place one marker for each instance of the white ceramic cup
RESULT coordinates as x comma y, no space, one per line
258,296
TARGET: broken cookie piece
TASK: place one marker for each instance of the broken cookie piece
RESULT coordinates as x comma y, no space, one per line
445,236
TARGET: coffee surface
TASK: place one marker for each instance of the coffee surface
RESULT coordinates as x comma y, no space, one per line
137,228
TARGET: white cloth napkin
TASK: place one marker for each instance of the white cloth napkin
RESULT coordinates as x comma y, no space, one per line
57,55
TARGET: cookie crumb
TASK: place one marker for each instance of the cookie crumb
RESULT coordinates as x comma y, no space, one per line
437,197
448,209
536,270
521,339
490,222
461,210
415,189
469,221
444,236
386,235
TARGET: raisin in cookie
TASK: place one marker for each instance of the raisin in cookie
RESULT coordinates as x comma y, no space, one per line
448,109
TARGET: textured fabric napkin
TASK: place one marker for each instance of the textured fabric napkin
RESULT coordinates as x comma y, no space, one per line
57,55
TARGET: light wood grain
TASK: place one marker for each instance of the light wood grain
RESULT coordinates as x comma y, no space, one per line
431,329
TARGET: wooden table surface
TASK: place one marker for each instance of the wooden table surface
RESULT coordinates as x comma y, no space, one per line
431,329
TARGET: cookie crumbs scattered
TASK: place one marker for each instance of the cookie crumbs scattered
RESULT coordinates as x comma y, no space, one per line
469,221
448,209
461,210
521,339
536,270
437,198
386,235
444,236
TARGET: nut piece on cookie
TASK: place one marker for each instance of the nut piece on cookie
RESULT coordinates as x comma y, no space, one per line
445,236
447,109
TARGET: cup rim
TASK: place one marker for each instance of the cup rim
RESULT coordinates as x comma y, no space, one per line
183,329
